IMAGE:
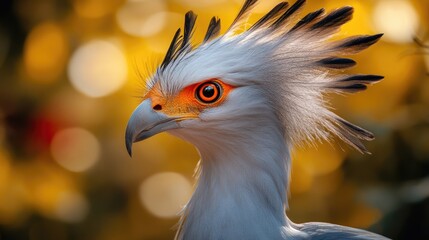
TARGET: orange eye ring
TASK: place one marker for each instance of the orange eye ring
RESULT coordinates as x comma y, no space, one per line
208,92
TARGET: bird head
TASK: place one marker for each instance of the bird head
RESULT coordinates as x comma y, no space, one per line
274,74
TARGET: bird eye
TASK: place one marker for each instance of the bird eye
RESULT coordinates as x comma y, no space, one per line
208,92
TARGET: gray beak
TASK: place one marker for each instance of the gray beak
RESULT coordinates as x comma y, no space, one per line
145,122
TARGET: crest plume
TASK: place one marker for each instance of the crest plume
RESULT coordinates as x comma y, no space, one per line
190,19
294,60
213,29
290,12
172,50
270,16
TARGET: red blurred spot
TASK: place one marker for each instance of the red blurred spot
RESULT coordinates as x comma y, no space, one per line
41,133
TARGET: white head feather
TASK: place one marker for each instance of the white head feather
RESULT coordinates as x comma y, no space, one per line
292,65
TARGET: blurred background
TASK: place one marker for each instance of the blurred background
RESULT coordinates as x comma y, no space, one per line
72,71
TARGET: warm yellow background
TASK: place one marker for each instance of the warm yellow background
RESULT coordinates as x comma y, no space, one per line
70,80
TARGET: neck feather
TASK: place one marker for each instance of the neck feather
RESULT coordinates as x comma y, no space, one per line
242,188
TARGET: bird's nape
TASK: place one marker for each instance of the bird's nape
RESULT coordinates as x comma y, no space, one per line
243,99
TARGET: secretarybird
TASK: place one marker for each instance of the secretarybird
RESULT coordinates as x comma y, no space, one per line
243,99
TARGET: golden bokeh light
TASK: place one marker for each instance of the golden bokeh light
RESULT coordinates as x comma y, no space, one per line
41,185
328,184
262,7
319,161
71,207
427,60
363,216
397,19
5,170
98,68
67,105
159,44
301,181
14,204
75,149
201,3
142,17
399,73
12,194
2,129
45,52
164,194
95,8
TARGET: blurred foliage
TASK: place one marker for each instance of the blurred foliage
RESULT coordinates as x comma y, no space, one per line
71,73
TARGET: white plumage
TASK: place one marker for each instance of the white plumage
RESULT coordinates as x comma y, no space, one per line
271,81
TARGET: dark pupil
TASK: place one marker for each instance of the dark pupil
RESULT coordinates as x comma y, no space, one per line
208,91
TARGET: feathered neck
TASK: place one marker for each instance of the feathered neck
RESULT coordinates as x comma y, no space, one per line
242,187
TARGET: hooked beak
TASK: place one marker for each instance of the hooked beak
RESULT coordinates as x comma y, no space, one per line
145,122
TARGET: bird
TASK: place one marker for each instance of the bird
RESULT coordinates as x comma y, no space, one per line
244,99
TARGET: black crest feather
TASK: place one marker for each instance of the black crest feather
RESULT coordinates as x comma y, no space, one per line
337,63
309,18
335,18
362,78
358,43
190,19
180,44
213,29
354,83
172,50
292,10
357,87
278,10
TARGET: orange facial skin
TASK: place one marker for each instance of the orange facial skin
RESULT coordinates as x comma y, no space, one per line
186,104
